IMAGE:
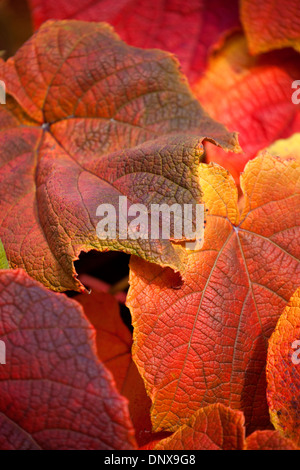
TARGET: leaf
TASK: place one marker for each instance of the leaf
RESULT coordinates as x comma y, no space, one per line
208,333
12,437
252,95
217,427
188,29
283,373
15,26
114,342
89,119
269,440
287,148
113,338
214,427
150,445
54,392
271,24
3,259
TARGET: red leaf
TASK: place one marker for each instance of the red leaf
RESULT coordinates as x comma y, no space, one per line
114,342
54,393
188,29
208,334
269,440
89,119
252,95
217,427
271,24
287,148
113,339
283,371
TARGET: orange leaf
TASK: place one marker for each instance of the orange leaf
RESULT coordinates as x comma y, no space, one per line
212,428
89,119
114,341
269,440
283,371
208,333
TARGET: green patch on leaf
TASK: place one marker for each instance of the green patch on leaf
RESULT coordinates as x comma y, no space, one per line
3,260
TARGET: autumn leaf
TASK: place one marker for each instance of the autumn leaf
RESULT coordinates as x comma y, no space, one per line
252,95
217,427
113,338
249,95
188,29
54,392
114,343
269,440
214,427
283,371
287,148
208,332
3,259
89,119
271,24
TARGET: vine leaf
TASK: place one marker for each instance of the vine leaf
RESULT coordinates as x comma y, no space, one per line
283,371
214,427
271,24
52,381
114,341
190,30
217,427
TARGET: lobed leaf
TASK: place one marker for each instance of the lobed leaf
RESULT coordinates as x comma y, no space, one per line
54,392
89,119
203,339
